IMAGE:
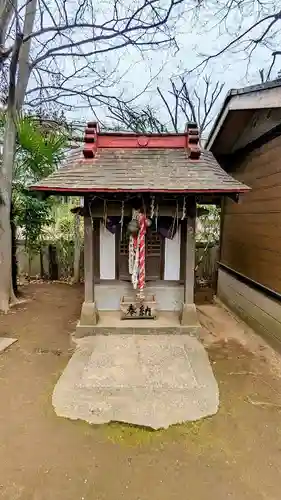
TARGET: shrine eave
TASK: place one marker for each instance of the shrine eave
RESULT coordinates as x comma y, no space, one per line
118,163
138,190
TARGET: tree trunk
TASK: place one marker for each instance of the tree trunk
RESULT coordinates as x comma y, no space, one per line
42,272
17,89
53,263
6,173
24,68
29,264
77,250
14,254
7,9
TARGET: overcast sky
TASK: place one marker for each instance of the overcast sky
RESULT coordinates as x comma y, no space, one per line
196,39
141,72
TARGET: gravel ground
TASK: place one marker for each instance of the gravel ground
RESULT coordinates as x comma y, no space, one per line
236,454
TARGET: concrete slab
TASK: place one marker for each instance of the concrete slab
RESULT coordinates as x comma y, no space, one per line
5,342
148,380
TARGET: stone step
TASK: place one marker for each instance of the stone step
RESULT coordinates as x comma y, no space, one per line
83,331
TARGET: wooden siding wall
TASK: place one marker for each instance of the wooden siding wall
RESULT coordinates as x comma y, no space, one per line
251,236
262,313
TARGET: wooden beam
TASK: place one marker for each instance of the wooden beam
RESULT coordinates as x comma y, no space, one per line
190,255
89,275
189,313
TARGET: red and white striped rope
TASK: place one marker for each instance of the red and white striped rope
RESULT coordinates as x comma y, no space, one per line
142,231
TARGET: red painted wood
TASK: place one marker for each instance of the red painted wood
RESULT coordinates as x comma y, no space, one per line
89,150
90,147
141,142
193,147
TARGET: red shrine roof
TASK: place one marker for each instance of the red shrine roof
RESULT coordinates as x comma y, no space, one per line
128,162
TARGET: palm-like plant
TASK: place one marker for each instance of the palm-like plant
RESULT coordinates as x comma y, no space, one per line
39,151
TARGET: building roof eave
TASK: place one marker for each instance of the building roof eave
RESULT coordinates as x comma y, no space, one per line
225,108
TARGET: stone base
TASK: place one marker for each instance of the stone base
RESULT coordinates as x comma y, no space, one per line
110,323
84,330
88,324
87,331
88,320
189,316
89,314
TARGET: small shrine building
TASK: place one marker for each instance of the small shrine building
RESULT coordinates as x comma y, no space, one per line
140,197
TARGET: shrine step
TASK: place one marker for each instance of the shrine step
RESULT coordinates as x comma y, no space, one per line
110,323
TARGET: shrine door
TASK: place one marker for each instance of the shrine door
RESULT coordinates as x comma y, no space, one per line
154,256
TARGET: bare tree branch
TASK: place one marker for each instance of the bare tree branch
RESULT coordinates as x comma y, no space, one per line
188,104
135,119
171,114
265,75
53,52
261,30
63,32
191,105
274,55
180,104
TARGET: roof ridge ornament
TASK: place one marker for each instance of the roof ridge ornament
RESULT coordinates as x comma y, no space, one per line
142,141
90,139
193,146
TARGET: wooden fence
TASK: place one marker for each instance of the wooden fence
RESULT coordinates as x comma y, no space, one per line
206,259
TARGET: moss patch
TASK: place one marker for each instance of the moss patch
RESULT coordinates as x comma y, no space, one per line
133,435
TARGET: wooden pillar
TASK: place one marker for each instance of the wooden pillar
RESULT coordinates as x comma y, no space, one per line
190,259
189,315
89,314
89,275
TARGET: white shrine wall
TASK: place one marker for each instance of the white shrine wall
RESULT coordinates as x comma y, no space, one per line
168,292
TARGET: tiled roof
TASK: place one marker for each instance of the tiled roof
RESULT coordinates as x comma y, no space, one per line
140,169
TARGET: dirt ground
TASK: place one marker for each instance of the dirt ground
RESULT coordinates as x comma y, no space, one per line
233,455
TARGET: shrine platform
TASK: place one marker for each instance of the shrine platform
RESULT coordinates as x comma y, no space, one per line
110,322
